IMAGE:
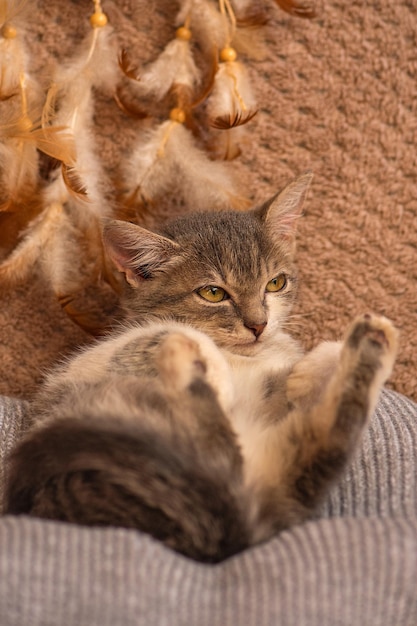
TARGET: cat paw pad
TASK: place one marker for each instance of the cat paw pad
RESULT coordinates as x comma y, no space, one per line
373,329
180,360
373,339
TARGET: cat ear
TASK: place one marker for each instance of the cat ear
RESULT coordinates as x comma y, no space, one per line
283,210
136,251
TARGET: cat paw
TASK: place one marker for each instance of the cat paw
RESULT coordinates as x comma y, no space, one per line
372,340
180,361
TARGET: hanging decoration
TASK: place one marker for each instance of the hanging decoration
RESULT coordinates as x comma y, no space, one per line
169,151
64,239
195,99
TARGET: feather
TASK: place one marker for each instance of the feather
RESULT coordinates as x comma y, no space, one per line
70,104
18,165
298,8
225,146
10,10
128,69
250,41
171,154
210,27
146,171
14,58
73,183
205,184
232,93
12,65
250,14
226,122
174,66
24,257
56,141
95,64
207,87
127,107
248,37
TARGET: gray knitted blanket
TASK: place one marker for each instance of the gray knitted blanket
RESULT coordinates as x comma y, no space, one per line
355,565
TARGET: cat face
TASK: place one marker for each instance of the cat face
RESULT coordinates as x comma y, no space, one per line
228,274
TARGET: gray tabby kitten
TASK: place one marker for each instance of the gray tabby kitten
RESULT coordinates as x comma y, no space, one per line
202,422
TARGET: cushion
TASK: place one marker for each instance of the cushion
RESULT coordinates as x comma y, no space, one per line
355,564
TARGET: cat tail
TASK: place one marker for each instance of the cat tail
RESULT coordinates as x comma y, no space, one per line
79,471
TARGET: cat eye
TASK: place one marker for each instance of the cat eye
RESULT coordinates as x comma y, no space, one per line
277,284
211,293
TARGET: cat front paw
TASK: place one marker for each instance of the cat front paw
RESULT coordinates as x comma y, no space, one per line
372,342
180,361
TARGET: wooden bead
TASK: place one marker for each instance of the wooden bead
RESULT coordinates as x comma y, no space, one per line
228,54
183,33
98,20
24,123
177,115
8,31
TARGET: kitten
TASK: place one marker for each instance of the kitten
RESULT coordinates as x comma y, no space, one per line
202,422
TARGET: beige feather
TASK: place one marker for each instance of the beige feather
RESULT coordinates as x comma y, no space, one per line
147,170
175,65
70,104
209,26
171,154
299,8
11,10
18,163
35,242
205,184
232,92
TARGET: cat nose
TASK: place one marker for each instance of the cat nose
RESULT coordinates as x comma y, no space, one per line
257,329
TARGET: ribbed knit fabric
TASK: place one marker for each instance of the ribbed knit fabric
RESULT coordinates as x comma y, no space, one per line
335,94
359,569
332,572
12,421
382,479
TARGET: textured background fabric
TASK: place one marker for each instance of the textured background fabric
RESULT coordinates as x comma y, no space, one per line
337,94
358,566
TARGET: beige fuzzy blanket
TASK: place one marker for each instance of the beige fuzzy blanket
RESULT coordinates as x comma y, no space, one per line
337,94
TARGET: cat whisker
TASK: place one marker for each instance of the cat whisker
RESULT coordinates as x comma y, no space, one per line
301,315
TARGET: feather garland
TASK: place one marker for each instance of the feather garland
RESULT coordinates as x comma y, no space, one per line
65,240
19,95
170,149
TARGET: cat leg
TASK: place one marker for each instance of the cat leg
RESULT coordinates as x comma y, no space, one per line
184,370
310,376
180,361
299,458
